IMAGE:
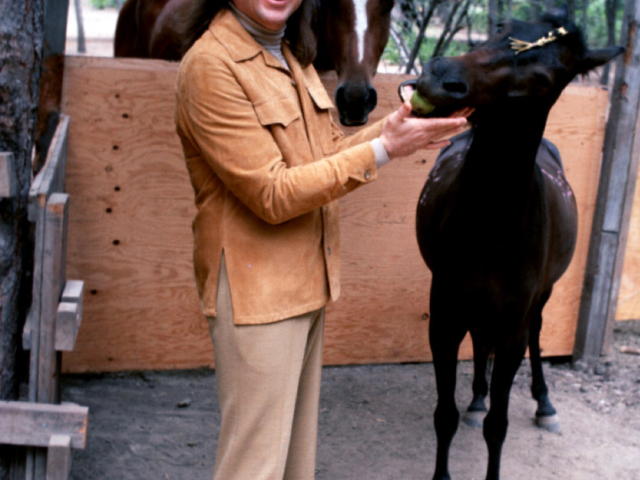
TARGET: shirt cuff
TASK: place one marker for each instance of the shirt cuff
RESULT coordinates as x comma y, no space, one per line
382,157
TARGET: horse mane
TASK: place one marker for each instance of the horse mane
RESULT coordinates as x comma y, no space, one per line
300,32
560,18
203,12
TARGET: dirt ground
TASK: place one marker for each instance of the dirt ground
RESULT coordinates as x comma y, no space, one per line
375,423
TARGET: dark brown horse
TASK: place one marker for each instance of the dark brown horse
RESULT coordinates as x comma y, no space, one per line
497,220
350,36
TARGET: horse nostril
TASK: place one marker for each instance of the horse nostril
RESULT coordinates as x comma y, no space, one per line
455,87
372,99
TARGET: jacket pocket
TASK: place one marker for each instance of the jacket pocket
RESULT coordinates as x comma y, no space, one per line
320,98
324,131
282,111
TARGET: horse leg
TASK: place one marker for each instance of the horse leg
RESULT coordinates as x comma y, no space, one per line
445,336
506,363
477,409
546,416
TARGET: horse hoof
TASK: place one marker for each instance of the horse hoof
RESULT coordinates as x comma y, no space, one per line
474,419
550,423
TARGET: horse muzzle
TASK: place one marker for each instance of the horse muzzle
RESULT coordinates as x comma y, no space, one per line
442,82
355,103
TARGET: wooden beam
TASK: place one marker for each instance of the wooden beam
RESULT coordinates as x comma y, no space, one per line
33,424
59,457
68,318
69,315
8,176
55,29
53,274
67,325
615,196
50,179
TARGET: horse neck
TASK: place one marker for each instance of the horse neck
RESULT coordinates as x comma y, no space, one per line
502,155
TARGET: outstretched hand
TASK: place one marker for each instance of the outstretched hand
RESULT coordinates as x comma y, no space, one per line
403,135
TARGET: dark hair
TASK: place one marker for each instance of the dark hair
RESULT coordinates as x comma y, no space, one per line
300,31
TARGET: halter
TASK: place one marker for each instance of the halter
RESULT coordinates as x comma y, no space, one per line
521,46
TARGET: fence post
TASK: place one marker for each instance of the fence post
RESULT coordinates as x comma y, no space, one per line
615,197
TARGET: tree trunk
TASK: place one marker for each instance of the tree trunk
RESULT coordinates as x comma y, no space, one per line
492,7
611,7
21,33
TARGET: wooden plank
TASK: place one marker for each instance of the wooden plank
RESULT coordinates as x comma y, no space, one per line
50,179
53,274
615,196
59,457
629,297
130,229
67,324
8,177
69,317
52,176
73,291
33,424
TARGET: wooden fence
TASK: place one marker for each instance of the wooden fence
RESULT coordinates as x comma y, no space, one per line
130,234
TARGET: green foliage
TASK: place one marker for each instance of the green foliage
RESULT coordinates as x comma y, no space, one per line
595,29
102,4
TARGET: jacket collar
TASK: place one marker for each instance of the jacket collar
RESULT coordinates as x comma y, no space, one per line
233,36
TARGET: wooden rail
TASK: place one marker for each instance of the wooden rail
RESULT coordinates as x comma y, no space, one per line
612,217
42,425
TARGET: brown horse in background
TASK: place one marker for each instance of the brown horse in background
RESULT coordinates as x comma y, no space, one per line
350,34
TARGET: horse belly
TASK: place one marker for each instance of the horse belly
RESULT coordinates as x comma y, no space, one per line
562,212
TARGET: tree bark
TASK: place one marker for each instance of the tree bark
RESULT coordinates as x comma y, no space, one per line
611,7
21,33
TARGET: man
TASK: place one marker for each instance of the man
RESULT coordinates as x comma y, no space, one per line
267,165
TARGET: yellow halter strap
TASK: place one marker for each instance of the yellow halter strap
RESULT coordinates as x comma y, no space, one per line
521,46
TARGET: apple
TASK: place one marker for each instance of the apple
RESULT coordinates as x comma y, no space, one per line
420,105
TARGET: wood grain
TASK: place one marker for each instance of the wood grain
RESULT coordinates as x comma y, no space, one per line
33,424
629,297
130,236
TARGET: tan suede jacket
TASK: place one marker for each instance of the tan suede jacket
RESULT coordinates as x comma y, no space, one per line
267,164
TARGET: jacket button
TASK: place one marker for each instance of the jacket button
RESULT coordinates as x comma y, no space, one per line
367,175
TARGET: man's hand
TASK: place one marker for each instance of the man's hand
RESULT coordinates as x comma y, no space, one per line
403,135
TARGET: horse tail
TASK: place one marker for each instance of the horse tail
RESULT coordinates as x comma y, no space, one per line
201,14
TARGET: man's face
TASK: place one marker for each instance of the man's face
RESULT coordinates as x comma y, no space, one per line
271,14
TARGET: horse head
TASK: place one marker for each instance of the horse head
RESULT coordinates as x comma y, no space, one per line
523,64
352,36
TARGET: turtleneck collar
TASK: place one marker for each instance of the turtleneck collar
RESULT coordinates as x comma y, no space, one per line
264,36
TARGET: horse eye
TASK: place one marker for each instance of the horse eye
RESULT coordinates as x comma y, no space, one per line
543,80
499,28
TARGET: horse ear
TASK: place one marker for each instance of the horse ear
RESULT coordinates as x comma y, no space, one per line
596,58
558,17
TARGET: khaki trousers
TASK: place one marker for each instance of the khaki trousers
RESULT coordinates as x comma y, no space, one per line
268,379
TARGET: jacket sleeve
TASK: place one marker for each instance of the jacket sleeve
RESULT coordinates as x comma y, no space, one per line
215,115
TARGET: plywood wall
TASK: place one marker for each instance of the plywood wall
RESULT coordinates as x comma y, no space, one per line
629,296
131,207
